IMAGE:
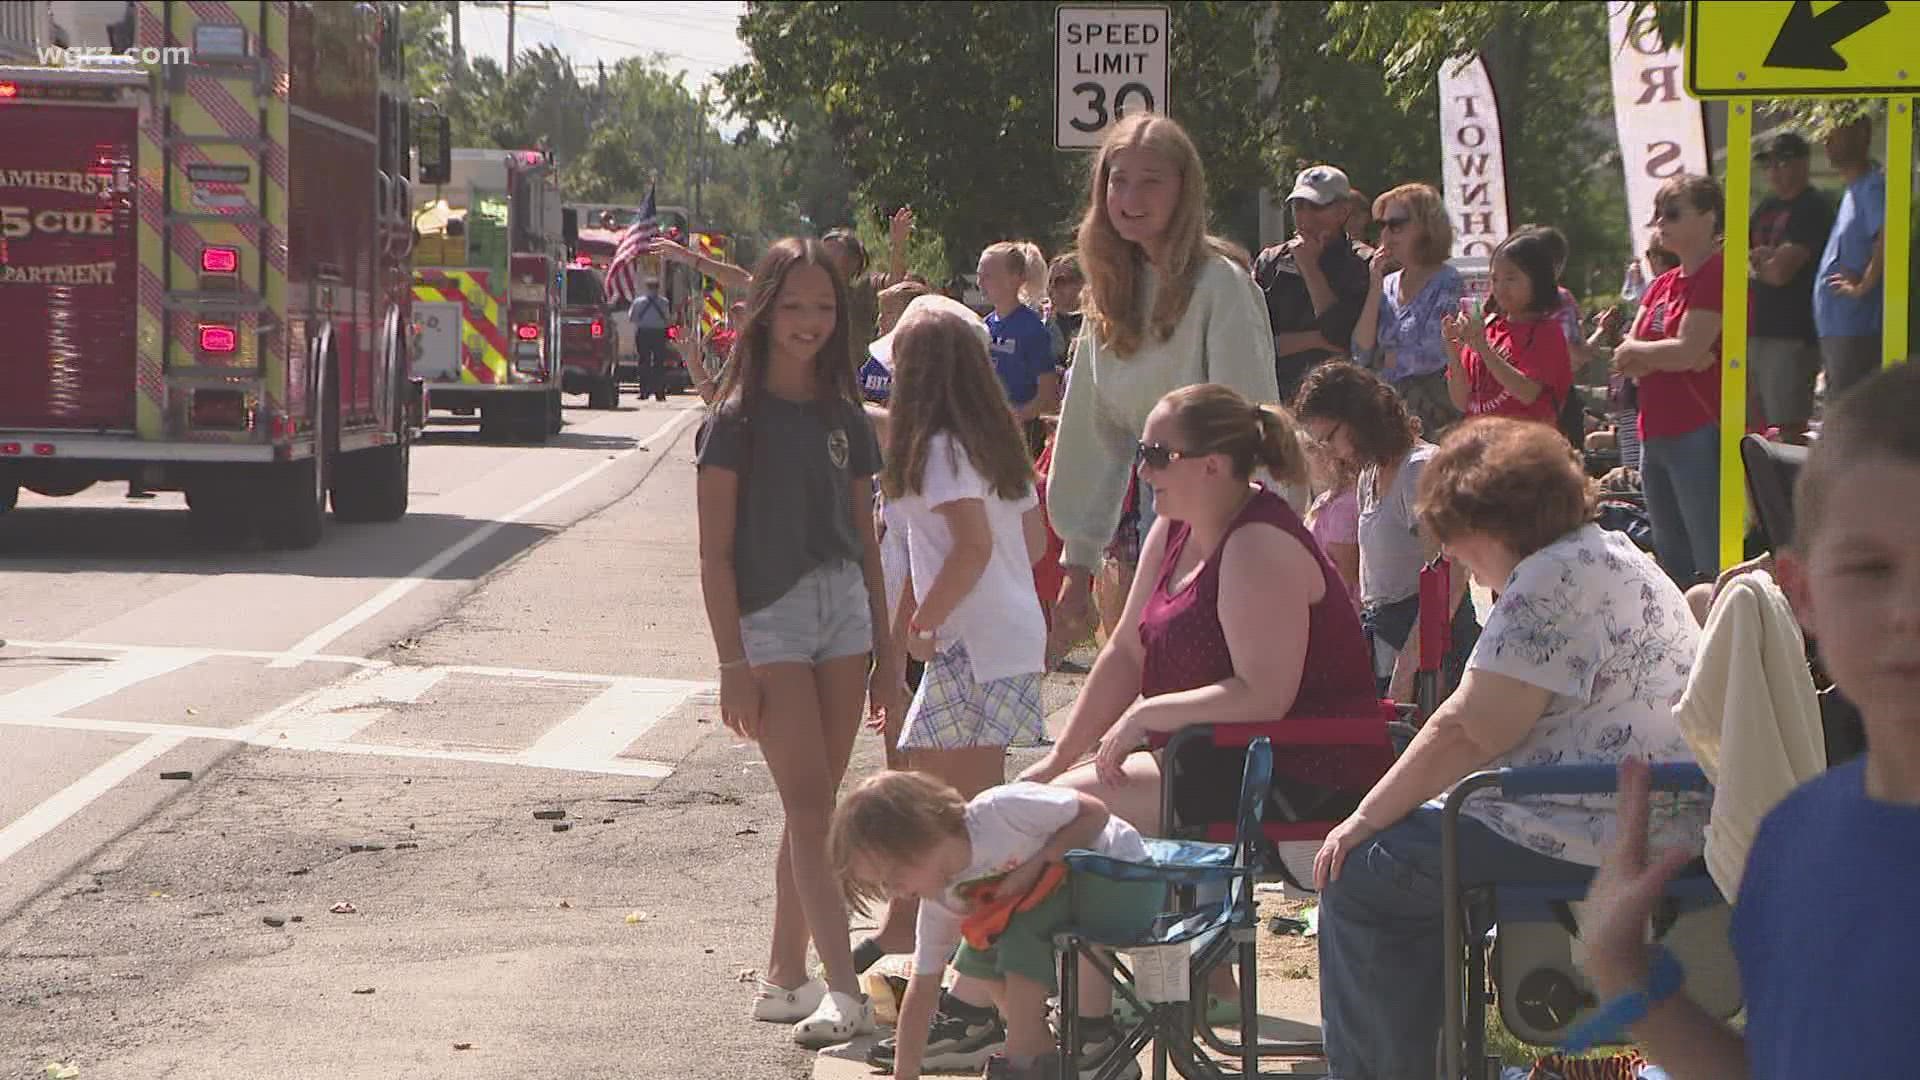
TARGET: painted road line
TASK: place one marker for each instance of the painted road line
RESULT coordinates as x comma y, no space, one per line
338,712
238,654
76,796
172,735
84,685
608,724
385,598
693,687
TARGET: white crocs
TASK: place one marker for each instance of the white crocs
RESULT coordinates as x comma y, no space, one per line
839,1018
777,1005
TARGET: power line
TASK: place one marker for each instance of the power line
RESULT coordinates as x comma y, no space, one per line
729,20
704,61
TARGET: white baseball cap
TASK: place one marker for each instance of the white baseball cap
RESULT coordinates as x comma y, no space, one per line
882,350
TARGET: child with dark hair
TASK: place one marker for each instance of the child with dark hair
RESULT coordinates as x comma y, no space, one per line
1514,361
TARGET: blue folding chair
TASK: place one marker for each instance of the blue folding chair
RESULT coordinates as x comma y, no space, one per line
1540,991
1211,930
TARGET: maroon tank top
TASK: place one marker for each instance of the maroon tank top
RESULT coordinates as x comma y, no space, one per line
1186,648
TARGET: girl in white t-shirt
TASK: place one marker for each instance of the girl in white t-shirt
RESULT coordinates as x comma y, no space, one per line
957,476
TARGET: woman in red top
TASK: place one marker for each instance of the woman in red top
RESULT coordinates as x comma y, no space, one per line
1515,362
1235,617
1674,356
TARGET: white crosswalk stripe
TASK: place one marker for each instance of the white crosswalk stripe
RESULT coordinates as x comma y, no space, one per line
342,717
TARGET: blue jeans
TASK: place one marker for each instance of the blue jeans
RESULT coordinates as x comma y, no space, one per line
1681,476
1382,945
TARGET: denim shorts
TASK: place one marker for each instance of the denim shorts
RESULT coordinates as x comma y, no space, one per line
825,616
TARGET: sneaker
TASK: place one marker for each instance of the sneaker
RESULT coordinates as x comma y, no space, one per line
1043,1068
777,1005
1098,1041
961,1039
838,1018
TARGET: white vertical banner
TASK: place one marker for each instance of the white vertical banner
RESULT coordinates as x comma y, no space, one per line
1475,160
1662,131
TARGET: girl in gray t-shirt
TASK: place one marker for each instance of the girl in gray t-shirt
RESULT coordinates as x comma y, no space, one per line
791,574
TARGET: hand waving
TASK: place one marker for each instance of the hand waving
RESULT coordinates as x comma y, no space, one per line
1624,892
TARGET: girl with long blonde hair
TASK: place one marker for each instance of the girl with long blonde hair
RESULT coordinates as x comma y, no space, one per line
1013,275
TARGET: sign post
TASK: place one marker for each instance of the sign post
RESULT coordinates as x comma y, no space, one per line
1108,62
1739,49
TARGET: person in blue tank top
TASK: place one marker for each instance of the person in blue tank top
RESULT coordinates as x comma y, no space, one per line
1823,928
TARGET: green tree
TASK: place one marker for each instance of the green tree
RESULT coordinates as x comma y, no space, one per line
1548,62
949,107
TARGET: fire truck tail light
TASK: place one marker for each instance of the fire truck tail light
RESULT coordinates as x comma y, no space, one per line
526,331
9,449
9,90
219,260
218,339
599,329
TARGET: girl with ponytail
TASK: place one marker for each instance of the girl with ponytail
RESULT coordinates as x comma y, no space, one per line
1013,275
1235,617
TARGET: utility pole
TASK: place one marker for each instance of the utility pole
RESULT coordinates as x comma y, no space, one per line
699,137
510,38
459,54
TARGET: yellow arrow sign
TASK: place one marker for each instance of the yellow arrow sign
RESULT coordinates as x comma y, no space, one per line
1798,48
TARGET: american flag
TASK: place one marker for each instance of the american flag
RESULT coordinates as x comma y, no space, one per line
623,274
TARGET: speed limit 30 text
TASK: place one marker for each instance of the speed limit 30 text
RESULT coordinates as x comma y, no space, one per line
1124,47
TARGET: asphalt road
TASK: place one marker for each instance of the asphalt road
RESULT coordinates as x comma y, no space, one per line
529,639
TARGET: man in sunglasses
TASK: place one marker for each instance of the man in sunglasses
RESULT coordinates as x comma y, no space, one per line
1315,283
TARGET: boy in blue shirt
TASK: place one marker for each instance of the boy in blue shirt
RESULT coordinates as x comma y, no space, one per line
1848,291
1823,928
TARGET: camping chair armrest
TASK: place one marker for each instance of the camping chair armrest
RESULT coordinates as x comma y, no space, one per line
1578,780
1166,871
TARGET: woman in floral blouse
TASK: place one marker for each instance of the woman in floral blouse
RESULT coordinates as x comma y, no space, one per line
1581,662
1399,333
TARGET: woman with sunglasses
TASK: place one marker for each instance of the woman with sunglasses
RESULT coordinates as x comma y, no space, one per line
1236,617
1673,353
1357,417
1399,333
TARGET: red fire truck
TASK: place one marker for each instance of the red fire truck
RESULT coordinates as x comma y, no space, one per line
488,289
203,261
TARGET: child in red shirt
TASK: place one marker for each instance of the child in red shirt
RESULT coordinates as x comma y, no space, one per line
1515,361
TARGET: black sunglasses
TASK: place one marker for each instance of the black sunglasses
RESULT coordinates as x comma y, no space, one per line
1157,455
1670,214
1396,223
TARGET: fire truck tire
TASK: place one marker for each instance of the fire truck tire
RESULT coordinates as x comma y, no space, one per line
526,418
499,422
556,413
371,485
293,503
9,497
605,394
217,517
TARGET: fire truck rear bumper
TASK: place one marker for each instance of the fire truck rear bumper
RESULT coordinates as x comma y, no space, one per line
50,447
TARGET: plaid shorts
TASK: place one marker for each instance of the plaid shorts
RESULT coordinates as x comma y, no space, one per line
951,711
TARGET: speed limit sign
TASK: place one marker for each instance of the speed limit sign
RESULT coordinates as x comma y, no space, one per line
1109,62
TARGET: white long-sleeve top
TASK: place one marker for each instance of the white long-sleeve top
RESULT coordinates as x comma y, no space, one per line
1224,337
